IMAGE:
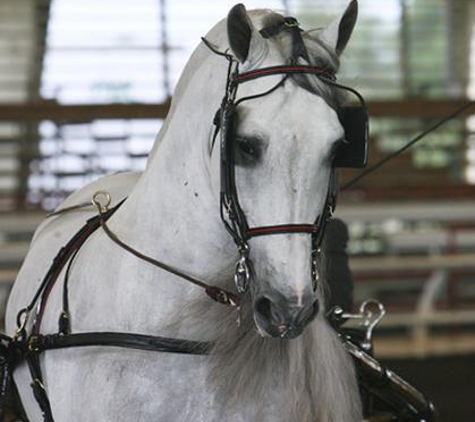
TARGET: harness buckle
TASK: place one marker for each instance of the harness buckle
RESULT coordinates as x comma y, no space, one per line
22,320
242,276
34,344
291,22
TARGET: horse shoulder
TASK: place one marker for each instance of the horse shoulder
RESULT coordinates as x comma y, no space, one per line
54,232
118,186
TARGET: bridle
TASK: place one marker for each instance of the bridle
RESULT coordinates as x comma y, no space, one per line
232,214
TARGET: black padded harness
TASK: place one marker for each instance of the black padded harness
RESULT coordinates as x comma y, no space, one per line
28,347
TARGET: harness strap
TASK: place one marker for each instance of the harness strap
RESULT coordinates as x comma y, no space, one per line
60,261
216,293
30,347
281,229
5,371
379,380
37,385
41,342
38,343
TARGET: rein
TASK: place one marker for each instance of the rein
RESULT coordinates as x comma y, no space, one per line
420,136
216,293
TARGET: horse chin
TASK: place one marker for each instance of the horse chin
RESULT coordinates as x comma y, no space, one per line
265,329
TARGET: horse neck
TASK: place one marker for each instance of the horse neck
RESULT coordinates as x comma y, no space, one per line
173,212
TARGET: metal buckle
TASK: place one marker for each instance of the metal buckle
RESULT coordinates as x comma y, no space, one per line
22,320
291,22
33,344
242,275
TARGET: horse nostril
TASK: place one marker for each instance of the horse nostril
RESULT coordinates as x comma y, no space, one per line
284,315
263,307
308,313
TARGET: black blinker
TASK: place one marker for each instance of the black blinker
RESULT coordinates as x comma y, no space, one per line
354,152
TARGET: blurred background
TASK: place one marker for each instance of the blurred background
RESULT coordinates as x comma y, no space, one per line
85,85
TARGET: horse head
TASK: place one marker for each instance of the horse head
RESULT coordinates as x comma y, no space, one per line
280,130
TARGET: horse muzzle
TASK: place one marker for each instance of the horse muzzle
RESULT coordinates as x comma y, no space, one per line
278,316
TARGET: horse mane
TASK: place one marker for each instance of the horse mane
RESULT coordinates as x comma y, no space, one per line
312,374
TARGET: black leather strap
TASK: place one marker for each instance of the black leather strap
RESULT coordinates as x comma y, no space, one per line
37,385
41,342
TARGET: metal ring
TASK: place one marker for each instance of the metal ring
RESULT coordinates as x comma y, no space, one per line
22,320
33,345
242,275
96,200
371,318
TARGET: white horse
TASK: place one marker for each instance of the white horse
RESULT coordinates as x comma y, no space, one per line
172,212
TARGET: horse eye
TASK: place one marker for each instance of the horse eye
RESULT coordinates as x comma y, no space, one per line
247,150
246,146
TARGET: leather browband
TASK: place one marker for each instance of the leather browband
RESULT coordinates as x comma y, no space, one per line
283,69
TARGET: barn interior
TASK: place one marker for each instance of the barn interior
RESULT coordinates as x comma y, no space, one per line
85,86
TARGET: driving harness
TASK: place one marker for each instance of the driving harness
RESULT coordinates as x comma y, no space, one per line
28,346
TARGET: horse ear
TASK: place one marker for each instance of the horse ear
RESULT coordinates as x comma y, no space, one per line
244,40
338,33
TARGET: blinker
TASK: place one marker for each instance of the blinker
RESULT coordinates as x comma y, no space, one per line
353,153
